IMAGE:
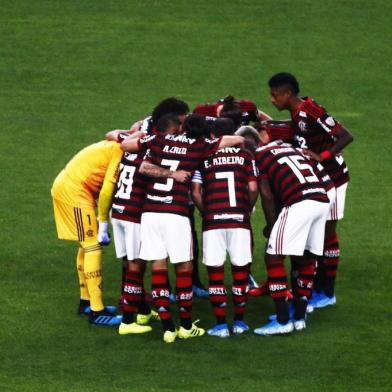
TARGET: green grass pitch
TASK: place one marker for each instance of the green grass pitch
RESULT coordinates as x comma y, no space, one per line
72,70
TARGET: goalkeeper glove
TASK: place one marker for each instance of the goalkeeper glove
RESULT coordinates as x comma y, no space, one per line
103,233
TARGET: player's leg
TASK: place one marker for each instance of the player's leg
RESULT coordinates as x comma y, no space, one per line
160,295
214,255
198,288
84,302
79,223
239,245
153,247
132,297
177,234
288,237
329,262
302,287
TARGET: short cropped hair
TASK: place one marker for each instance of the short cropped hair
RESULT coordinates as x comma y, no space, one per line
169,105
231,109
166,121
223,126
196,126
284,79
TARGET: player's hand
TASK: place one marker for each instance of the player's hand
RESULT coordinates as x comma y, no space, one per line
266,231
181,176
312,155
103,233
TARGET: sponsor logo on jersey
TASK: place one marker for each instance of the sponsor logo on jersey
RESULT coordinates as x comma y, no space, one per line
118,208
164,199
302,114
236,217
330,121
89,233
130,157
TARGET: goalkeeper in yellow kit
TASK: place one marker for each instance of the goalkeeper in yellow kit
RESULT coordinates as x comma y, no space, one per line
88,181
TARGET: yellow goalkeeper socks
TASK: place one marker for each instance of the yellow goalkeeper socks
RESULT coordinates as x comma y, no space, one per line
82,281
93,275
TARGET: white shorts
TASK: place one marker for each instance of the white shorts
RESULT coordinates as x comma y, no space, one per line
236,242
299,227
126,238
337,208
166,235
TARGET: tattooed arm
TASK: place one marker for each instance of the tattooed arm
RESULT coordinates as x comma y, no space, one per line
151,170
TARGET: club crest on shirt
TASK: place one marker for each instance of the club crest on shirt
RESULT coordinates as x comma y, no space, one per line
302,126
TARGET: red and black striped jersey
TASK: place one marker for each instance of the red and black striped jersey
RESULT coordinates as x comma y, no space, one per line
316,130
225,177
293,177
131,189
248,108
175,152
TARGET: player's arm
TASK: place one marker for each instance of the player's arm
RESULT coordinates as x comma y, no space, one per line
106,196
197,190
263,116
253,192
151,170
268,203
197,195
230,141
136,126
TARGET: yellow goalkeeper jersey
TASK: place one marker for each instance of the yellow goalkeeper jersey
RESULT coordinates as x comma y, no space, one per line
81,180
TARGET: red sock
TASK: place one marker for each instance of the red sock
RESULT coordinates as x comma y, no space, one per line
331,261
184,295
132,291
160,293
218,293
240,290
277,280
304,281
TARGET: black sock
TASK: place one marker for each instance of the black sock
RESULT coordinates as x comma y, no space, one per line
221,320
168,325
238,317
144,307
186,323
300,308
282,312
128,317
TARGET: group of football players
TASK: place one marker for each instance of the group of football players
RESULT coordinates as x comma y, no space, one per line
218,159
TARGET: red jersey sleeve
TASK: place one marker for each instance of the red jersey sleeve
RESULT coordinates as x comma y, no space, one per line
261,171
206,110
315,112
146,142
210,146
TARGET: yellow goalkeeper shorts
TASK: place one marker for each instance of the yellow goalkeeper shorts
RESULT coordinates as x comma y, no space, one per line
76,223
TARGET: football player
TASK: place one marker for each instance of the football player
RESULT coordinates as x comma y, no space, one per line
90,175
324,138
291,181
225,190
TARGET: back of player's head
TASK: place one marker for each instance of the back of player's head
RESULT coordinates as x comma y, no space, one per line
223,126
168,122
169,105
196,126
231,109
286,80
